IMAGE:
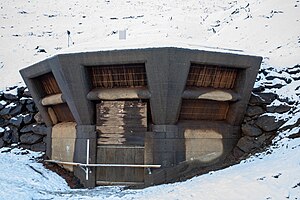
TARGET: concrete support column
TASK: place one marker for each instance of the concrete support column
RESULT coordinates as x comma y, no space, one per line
168,145
85,132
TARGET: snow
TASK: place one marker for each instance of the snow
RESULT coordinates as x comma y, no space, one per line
20,177
31,31
266,28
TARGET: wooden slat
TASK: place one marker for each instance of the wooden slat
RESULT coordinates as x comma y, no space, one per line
126,156
203,110
118,76
117,119
211,76
63,113
49,84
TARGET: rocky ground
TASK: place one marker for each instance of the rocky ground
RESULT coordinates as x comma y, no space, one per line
18,120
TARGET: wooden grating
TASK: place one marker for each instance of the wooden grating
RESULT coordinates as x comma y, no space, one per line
203,110
121,122
211,76
123,155
63,113
118,76
49,84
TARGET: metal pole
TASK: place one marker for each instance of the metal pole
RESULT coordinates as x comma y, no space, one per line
87,159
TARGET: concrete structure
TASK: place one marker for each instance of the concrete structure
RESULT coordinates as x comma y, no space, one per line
164,106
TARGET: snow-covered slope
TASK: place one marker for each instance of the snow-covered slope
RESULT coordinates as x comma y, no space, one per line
33,30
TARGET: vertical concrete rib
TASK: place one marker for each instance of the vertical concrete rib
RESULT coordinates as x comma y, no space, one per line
28,75
70,76
157,69
178,71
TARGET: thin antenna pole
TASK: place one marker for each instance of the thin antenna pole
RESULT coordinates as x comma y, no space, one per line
68,33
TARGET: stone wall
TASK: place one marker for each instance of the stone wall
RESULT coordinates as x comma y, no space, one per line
18,120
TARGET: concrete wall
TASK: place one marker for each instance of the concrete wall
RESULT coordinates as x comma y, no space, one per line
170,141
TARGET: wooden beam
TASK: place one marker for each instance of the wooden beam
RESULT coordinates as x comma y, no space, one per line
118,183
101,165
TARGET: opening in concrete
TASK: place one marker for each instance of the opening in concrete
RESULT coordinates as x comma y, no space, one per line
118,76
211,76
121,128
63,113
48,84
203,110
51,94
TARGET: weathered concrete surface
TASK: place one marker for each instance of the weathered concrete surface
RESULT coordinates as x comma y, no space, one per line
63,142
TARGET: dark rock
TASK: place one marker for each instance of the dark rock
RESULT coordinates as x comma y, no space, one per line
16,121
40,129
278,109
251,130
262,98
30,101
30,138
28,118
267,97
255,100
3,122
254,110
2,144
15,136
258,89
237,152
246,144
12,128
277,86
45,140
268,123
271,109
31,108
17,110
26,93
11,134
25,146
38,118
295,135
27,128
5,111
294,70
38,147
23,101
10,97
247,119
20,91
7,136
1,106
249,144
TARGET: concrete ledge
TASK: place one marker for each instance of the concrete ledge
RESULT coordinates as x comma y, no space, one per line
53,100
210,94
118,93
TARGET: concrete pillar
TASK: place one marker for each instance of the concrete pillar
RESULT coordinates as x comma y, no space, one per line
85,132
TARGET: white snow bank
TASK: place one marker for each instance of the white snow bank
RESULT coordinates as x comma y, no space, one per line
22,177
